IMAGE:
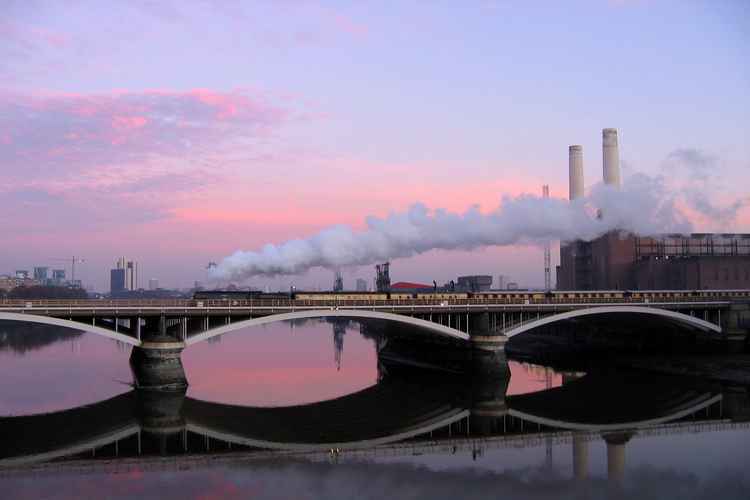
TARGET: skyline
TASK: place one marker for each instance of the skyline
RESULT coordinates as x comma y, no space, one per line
207,130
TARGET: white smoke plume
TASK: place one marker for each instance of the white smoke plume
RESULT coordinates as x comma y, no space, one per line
642,206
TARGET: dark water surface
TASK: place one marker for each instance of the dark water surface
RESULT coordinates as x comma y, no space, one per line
308,410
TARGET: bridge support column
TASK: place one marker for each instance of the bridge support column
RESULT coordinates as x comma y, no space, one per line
160,415
482,337
616,454
580,457
489,384
737,327
156,363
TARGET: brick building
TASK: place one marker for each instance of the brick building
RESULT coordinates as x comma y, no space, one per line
617,261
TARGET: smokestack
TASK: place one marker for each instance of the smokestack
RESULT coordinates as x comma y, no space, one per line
611,157
575,166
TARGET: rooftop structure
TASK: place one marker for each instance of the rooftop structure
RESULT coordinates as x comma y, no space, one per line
475,283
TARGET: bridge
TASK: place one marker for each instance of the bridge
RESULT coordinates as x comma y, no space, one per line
141,426
160,329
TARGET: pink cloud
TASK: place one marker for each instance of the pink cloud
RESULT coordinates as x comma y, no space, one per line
349,25
27,35
66,135
128,122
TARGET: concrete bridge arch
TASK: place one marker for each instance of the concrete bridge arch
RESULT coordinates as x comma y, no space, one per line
67,323
665,314
421,324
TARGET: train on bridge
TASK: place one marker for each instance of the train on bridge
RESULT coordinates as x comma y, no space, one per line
513,296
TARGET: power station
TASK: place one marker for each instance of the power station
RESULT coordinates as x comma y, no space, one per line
619,260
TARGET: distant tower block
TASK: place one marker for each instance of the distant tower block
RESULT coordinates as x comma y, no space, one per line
611,157
575,163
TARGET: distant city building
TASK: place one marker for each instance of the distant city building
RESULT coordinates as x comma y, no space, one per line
476,283
501,281
58,276
620,260
116,281
131,272
512,285
22,274
153,284
8,283
40,274
361,285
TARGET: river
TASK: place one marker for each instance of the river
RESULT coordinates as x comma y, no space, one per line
311,410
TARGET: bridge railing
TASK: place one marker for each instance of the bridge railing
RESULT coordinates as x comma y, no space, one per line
335,303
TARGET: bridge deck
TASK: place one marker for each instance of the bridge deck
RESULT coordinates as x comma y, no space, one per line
240,307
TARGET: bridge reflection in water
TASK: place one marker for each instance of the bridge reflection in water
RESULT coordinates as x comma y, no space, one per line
407,412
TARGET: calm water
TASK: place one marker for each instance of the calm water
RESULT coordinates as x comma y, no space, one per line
268,409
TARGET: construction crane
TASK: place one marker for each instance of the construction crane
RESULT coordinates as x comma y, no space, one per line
72,261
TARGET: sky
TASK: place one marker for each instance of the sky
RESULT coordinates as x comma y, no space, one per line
176,133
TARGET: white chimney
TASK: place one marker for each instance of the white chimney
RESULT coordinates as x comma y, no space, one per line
611,157
575,167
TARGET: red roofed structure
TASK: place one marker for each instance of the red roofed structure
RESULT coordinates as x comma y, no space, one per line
406,285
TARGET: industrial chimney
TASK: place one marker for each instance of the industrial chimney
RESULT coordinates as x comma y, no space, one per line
575,165
611,157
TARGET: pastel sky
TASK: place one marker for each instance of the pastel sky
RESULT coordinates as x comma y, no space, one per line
175,133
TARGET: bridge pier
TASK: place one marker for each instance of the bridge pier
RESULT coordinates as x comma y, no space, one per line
737,326
157,362
580,457
489,383
483,338
490,374
616,454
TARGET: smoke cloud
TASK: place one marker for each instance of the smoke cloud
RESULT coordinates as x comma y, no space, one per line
642,206
697,173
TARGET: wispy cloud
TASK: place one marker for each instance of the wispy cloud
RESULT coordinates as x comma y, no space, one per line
69,137
698,176
93,159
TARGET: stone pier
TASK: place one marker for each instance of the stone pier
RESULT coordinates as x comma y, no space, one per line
157,363
490,378
483,338
737,327
616,454
580,457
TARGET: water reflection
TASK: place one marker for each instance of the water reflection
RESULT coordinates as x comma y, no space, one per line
24,337
407,411
64,369
318,392
282,364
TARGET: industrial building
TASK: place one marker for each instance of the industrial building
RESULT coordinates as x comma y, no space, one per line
618,260
477,283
